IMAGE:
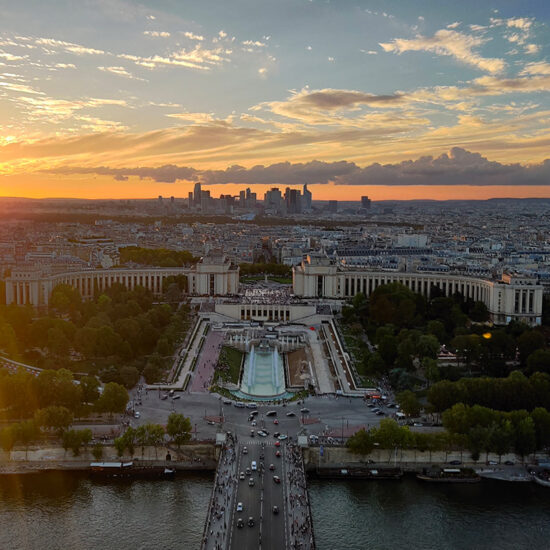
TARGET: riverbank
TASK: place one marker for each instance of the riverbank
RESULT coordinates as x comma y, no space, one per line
193,457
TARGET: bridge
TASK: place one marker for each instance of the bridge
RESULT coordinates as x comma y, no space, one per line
259,500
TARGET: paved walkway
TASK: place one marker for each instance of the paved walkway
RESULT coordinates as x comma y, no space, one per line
206,363
219,513
301,529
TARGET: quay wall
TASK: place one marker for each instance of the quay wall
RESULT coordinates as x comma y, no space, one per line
408,460
199,456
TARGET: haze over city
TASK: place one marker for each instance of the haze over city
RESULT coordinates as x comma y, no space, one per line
394,100
274,275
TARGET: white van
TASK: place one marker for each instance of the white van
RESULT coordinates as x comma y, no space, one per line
254,466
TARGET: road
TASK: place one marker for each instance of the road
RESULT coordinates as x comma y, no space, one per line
332,412
258,501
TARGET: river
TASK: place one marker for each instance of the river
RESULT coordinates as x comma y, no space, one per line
65,511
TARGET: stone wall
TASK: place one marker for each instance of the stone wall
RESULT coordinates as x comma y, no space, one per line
334,457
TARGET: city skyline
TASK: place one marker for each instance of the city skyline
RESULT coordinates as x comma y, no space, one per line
135,100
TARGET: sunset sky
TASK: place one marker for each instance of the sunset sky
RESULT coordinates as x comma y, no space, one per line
391,99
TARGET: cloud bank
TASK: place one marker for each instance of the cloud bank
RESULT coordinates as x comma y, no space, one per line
458,167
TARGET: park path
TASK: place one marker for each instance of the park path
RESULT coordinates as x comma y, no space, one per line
206,363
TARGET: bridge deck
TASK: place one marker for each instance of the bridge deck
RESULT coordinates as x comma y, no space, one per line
258,493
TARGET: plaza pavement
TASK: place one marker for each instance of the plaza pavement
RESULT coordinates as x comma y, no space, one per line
206,362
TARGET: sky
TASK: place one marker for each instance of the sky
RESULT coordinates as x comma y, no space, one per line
391,99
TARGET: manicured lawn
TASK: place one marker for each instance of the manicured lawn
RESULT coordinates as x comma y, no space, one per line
232,358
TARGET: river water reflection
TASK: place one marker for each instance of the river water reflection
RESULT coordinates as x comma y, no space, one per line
65,511
415,515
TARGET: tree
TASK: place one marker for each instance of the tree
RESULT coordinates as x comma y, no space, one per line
97,451
444,395
7,438
129,376
179,428
58,343
526,441
428,346
539,361
502,438
25,433
65,299
541,419
113,399
408,401
90,389
529,342
155,436
478,440
431,370
392,436
74,439
361,442
54,418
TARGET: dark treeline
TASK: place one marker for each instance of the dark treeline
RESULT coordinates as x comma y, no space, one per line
270,268
408,330
119,335
160,257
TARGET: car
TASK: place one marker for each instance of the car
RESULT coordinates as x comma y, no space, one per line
275,422
252,405
251,482
305,410
277,443
164,397
492,462
510,463
276,434
253,423
278,454
247,471
176,397
375,409
391,406
271,413
418,424
291,413
239,507
245,450
137,414
252,433
276,479
261,433
239,405
455,462
227,402
370,405
275,509
282,437
250,522
380,413
171,393
254,466
210,422
240,523
271,466
241,476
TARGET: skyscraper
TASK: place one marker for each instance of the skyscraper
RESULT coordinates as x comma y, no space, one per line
306,199
197,194
365,203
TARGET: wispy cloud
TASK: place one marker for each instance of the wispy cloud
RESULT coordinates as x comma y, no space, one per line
119,71
450,43
157,34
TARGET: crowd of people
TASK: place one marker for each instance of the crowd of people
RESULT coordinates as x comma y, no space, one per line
301,530
216,530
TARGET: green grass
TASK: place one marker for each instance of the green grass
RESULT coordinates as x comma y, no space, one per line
232,358
281,280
